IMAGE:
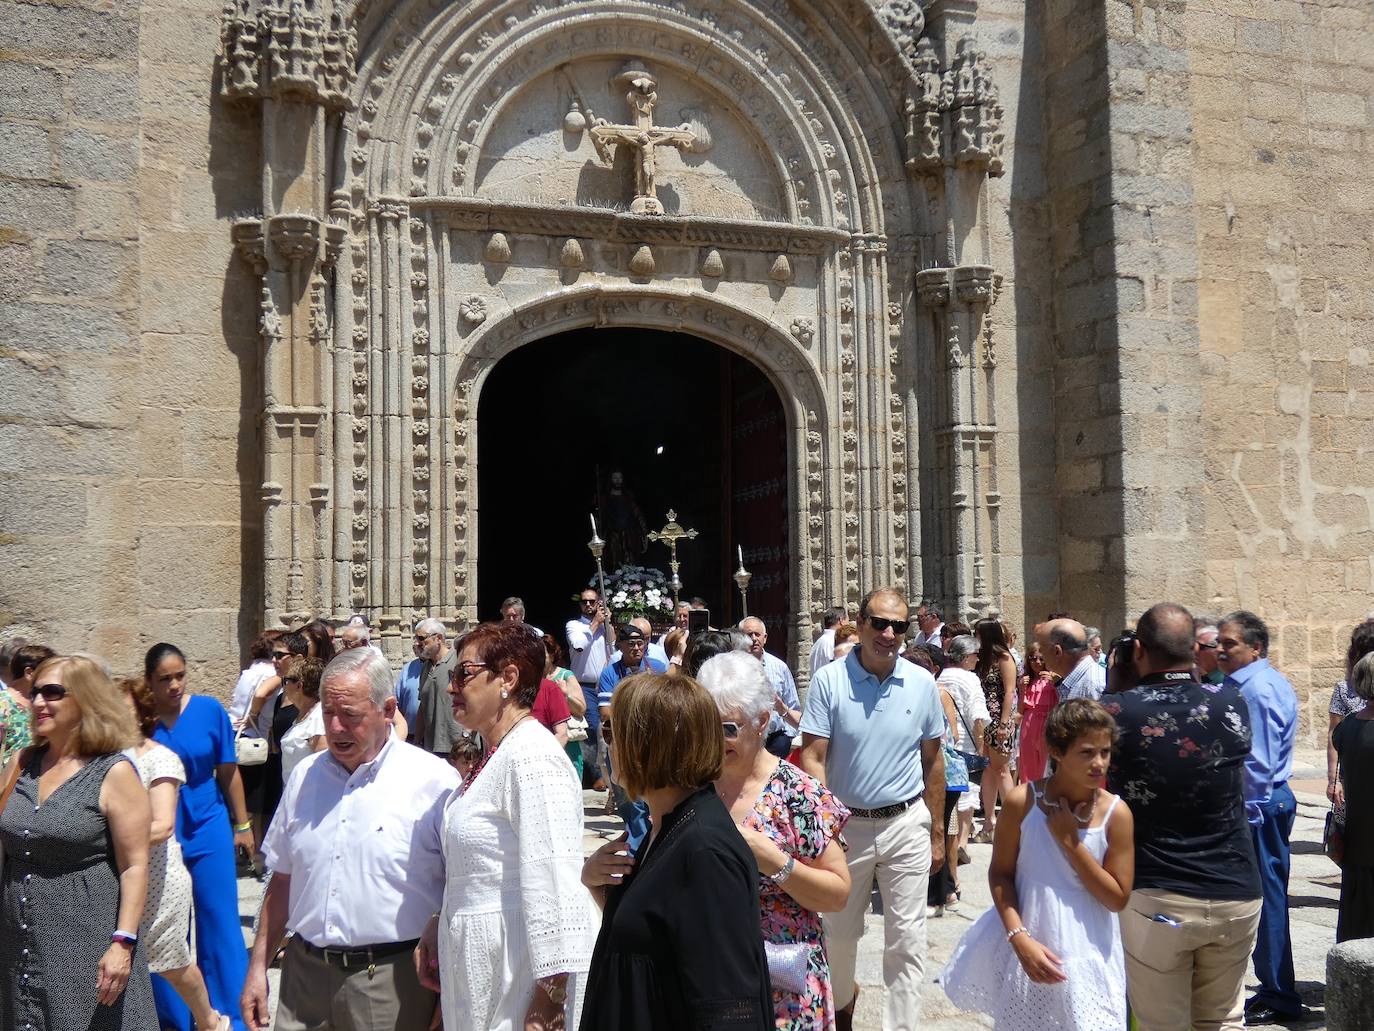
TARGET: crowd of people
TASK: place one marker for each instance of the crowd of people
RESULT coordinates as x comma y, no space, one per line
420,831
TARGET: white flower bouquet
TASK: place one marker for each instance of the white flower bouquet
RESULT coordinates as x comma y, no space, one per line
634,591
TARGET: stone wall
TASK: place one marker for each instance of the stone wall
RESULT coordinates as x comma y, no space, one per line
1282,102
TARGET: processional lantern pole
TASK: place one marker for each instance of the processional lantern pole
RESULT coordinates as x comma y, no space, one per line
597,546
742,578
670,535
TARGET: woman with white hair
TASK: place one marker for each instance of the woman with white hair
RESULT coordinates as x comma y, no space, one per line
792,824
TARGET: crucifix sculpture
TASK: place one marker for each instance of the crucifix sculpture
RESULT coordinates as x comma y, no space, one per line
670,535
643,136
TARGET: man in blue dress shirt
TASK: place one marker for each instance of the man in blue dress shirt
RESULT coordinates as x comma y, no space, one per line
1242,650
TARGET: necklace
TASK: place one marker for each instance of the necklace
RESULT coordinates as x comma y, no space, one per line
1084,821
482,763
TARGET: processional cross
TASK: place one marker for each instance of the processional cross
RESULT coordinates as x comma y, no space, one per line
643,136
670,535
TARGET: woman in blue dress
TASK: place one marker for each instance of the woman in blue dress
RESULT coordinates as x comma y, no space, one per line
212,821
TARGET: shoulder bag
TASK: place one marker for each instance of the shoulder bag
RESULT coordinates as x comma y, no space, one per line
977,763
249,751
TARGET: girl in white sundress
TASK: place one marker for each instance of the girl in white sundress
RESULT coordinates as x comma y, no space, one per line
1048,956
167,911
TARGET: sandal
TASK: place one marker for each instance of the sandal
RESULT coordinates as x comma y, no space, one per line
983,837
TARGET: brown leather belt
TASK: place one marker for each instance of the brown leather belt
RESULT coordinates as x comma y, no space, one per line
886,811
365,956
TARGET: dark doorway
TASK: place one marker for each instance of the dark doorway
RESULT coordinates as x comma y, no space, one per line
690,425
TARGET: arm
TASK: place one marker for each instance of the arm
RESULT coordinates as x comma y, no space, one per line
261,696
1335,790
951,714
560,733
399,726
162,798
231,786
1259,764
820,884
1040,964
572,694
1110,880
271,931
813,755
933,772
124,804
1006,665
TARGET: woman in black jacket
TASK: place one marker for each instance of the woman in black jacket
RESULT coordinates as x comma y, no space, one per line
680,945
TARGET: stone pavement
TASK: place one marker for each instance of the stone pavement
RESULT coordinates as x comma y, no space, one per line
1313,892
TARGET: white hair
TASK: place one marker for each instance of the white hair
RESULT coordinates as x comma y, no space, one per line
367,661
752,619
736,681
961,647
360,629
430,626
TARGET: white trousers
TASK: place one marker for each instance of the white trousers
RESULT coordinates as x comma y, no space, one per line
897,851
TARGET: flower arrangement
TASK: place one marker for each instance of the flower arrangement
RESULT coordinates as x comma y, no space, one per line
634,591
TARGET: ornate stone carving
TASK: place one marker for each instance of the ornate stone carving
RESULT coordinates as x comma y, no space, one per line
781,269
497,250
280,48
643,136
953,117
642,261
712,267
571,256
804,330
473,310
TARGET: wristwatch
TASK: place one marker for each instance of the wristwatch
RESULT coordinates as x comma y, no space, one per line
785,872
557,993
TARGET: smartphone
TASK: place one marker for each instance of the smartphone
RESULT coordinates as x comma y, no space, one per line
698,620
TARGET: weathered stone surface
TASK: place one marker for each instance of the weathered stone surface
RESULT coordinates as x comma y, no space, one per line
1350,986
30,92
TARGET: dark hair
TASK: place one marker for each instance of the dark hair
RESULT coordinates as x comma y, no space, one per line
553,649
317,631
1057,615
706,644
310,671
832,615
261,648
920,655
145,708
890,592
1074,719
1252,629
956,629
1166,635
154,656
933,610
465,749
1361,644
499,645
1067,639
992,644
296,642
27,657
667,733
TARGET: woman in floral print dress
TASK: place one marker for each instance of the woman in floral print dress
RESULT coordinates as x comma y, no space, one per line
792,824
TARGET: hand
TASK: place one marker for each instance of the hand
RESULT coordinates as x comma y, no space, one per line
427,956
1040,964
244,840
1335,791
937,849
544,1014
767,855
114,973
609,864
253,1001
1064,825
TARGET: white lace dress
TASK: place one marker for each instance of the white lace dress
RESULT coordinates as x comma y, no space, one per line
983,974
167,912
515,909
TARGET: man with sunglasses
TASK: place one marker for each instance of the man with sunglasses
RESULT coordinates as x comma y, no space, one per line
871,731
1205,651
435,728
588,651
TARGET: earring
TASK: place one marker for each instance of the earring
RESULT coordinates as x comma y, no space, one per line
505,693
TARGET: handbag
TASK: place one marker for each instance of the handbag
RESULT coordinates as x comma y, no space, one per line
976,763
1333,839
249,751
576,728
787,965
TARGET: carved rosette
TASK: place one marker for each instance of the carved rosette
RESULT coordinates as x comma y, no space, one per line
304,49
420,412
849,438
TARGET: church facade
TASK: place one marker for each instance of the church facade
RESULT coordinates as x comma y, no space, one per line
1065,306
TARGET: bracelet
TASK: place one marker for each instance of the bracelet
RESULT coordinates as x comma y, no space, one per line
1015,931
239,828
785,872
124,938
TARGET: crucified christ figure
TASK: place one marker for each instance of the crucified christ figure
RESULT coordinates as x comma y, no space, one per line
643,136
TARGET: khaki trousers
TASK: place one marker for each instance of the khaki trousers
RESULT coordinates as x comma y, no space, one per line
897,851
1192,975
319,996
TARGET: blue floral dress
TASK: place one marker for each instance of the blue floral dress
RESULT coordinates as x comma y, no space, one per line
802,817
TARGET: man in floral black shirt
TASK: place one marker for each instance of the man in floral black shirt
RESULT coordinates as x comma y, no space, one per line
1190,925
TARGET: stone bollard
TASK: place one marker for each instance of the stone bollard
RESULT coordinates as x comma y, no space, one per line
1350,986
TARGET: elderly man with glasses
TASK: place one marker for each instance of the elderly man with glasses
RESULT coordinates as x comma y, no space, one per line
871,732
588,652
435,730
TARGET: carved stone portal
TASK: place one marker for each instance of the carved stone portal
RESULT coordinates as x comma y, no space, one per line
643,137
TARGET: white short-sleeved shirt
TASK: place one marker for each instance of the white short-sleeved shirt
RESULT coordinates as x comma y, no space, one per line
295,743
364,850
875,729
970,703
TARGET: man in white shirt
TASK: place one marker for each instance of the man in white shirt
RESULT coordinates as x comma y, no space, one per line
823,651
930,623
588,655
356,854
1064,645
782,726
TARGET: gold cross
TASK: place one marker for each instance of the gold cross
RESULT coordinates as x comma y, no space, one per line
670,535
643,136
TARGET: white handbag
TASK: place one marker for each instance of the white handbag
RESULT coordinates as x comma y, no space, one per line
250,751
577,728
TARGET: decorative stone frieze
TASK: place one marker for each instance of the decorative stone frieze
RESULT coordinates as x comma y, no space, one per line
304,49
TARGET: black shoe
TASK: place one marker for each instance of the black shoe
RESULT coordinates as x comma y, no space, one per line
1257,1013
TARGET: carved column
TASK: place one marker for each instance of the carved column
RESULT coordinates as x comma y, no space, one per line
294,59
954,143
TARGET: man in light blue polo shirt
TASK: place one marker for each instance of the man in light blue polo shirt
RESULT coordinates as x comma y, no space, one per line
871,731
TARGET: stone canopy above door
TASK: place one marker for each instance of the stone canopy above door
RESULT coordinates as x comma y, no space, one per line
487,161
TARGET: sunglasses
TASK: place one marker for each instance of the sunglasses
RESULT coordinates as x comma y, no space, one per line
731,729
50,692
465,671
280,655
588,601
1210,647
290,680
879,624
